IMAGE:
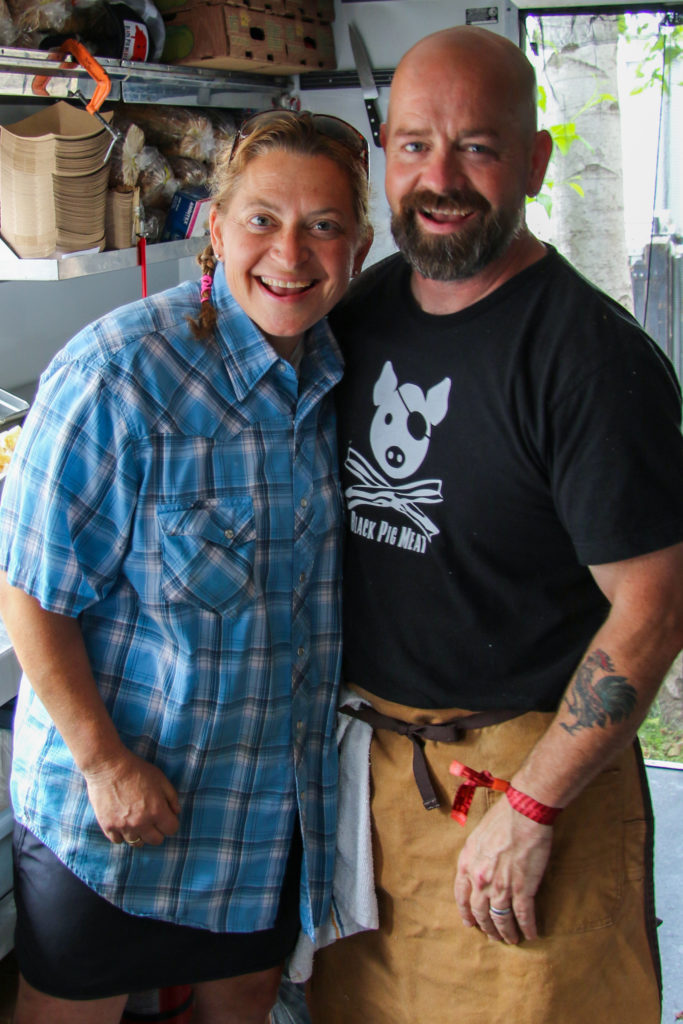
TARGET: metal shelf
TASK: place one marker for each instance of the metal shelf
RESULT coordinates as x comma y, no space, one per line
131,82
13,268
134,82
343,79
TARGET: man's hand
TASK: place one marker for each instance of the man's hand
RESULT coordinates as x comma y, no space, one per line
504,859
133,799
501,866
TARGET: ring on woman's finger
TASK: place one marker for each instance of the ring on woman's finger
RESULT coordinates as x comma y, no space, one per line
138,841
500,911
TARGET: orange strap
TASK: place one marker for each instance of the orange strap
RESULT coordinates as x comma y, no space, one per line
521,802
463,797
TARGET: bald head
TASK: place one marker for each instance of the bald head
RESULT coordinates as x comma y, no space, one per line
462,155
478,55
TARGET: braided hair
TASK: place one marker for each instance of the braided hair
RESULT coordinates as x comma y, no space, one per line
203,326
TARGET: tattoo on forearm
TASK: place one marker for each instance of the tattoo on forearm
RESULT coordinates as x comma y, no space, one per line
610,698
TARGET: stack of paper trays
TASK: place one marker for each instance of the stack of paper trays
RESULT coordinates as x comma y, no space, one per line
53,181
120,218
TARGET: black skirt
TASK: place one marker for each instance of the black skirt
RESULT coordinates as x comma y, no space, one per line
73,944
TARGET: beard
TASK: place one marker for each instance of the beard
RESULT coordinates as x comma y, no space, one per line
464,252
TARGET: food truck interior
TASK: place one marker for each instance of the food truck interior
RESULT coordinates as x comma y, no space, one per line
145,123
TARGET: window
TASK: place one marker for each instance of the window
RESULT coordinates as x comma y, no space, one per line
611,94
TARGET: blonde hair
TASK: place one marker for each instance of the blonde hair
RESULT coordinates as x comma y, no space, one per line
292,133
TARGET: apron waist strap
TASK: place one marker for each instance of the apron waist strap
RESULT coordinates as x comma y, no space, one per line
442,732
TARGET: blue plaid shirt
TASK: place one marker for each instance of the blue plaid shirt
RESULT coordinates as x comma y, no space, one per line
181,499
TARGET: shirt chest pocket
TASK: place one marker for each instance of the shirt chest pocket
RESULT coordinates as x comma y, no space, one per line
208,553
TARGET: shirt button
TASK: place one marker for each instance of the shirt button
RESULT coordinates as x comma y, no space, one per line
229,534
282,368
301,651
302,577
304,502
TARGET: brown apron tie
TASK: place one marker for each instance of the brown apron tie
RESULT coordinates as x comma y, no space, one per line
444,732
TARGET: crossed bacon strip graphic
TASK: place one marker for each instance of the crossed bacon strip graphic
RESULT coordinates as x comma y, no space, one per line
374,489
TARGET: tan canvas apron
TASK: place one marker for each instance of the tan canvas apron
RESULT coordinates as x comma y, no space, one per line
595,960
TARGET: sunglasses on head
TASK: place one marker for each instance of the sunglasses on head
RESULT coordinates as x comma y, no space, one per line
324,124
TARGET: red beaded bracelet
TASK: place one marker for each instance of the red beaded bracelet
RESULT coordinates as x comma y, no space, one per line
531,808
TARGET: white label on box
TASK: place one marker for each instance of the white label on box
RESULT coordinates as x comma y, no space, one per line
135,41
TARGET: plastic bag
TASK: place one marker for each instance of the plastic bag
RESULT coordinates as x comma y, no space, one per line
156,181
189,173
224,127
152,223
110,28
124,160
175,131
8,30
39,15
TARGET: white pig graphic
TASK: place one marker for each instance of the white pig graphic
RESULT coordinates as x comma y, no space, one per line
400,433
402,426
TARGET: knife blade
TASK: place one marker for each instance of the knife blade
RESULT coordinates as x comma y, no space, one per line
367,81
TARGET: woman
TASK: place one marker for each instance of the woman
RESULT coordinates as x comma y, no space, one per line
169,534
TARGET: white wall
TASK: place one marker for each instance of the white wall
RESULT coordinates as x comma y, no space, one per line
38,318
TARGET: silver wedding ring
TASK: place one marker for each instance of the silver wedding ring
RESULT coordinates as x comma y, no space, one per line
497,912
138,841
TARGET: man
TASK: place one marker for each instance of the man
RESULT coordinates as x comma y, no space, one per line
514,485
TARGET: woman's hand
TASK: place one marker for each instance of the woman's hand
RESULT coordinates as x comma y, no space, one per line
133,800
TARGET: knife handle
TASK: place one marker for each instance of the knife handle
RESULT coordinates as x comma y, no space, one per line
375,120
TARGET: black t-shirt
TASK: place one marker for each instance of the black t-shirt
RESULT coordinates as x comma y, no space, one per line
488,457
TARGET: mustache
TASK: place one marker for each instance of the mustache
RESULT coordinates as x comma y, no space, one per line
464,199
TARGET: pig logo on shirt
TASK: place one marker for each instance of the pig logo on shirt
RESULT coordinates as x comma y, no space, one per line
400,434
402,426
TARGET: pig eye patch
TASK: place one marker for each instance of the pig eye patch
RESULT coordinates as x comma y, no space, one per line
417,426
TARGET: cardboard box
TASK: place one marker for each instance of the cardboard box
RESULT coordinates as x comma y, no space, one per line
320,10
270,6
225,37
170,7
310,44
316,10
188,214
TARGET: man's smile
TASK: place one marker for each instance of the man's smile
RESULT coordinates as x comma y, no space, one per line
445,215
